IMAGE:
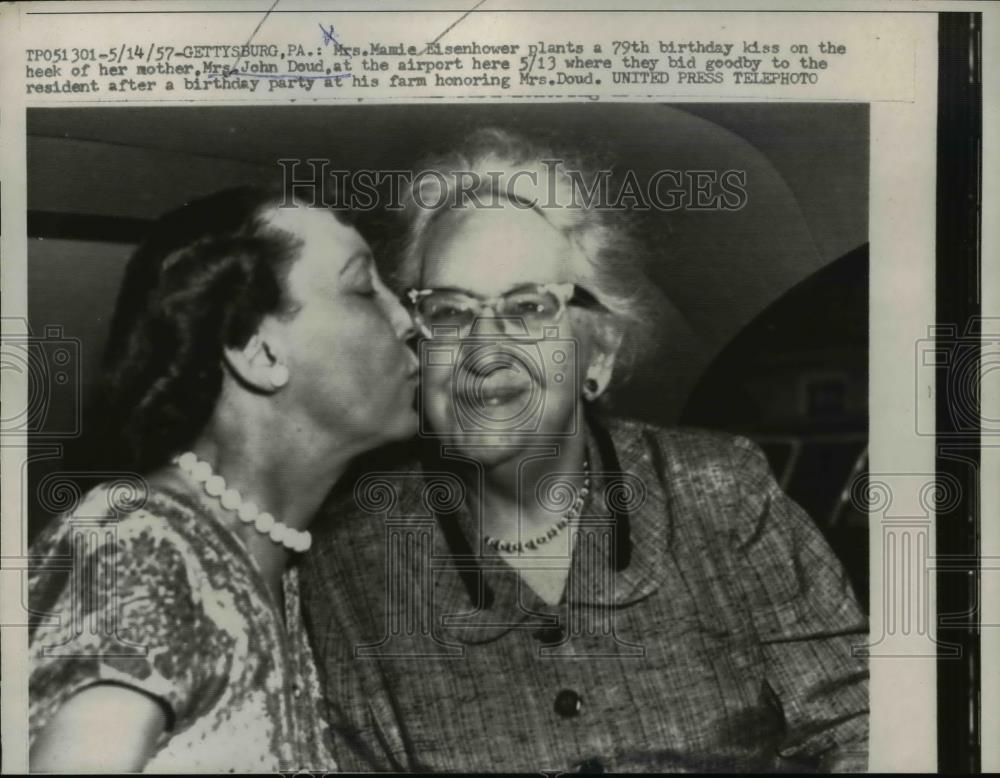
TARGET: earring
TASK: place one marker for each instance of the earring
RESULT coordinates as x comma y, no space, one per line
279,375
590,387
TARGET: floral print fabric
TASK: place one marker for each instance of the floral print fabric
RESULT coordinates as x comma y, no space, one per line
164,599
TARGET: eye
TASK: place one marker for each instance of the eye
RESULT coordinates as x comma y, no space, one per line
531,304
365,287
444,310
358,277
526,307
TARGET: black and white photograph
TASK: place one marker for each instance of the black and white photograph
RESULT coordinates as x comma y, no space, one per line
481,438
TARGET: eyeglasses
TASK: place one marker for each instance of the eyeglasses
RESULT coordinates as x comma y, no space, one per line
523,311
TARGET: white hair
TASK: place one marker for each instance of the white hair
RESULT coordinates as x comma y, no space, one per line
499,165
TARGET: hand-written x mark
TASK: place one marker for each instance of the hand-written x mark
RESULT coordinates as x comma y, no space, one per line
329,39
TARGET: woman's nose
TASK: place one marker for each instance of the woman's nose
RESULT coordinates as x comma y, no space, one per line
402,321
400,318
488,322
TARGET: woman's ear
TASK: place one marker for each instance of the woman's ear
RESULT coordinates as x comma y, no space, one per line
258,365
604,351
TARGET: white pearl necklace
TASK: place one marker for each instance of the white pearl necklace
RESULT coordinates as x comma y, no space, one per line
570,516
215,486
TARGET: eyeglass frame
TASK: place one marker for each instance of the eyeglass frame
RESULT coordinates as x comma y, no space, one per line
567,293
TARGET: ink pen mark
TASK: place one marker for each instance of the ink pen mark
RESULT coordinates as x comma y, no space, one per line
453,25
275,76
233,70
328,38
260,24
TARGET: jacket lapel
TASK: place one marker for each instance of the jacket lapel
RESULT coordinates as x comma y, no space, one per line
478,598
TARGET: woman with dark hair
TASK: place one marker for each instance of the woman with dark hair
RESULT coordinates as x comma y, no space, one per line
253,353
552,587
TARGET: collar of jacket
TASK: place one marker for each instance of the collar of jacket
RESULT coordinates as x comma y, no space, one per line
618,559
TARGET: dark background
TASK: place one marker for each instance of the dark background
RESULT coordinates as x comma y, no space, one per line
765,331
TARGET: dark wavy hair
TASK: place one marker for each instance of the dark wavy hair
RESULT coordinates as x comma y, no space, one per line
203,280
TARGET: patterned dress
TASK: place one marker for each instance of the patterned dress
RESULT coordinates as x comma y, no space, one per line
164,599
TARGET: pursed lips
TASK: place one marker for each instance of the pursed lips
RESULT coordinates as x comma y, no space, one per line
498,386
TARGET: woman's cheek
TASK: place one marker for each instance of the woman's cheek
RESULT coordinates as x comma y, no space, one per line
373,337
436,392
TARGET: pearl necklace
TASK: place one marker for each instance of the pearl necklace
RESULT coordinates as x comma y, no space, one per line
508,545
215,486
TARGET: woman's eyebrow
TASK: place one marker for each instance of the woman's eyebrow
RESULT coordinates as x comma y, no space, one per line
458,289
521,287
463,290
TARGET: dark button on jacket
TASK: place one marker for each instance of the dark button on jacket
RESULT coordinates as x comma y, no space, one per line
550,636
568,703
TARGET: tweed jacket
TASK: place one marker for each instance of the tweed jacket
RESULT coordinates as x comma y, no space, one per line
705,626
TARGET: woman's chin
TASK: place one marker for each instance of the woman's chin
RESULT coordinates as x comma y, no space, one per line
408,425
396,428
487,447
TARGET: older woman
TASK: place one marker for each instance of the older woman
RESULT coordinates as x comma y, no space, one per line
551,588
176,641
